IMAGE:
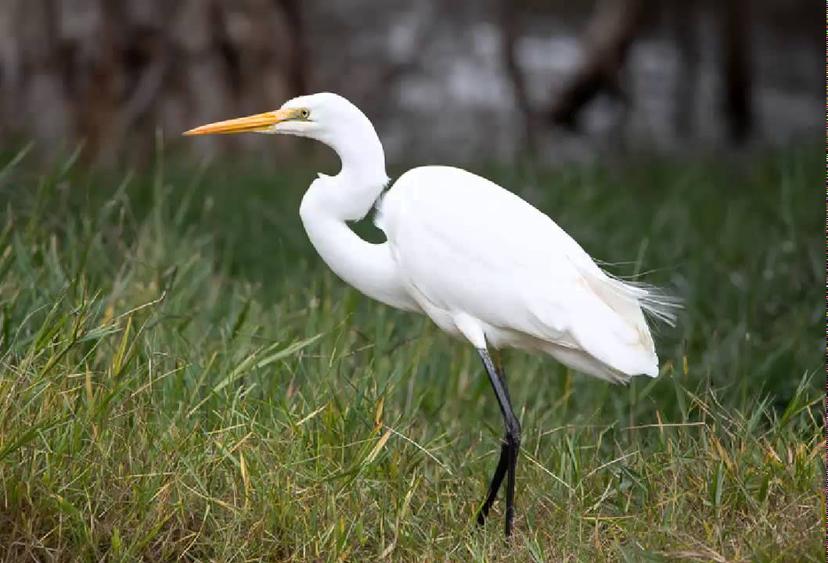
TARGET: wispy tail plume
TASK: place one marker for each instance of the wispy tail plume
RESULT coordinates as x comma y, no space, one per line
656,302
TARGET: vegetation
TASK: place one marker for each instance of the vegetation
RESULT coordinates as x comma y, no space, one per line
181,377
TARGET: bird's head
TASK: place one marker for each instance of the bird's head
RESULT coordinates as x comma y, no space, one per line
325,117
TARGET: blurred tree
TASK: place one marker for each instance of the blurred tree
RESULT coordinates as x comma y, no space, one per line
99,69
110,72
297,73
685,29
736,68
611,31
510,33
609,35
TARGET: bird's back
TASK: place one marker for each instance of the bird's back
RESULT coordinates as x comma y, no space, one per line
465,246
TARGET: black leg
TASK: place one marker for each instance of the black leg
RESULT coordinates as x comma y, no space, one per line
509,451
494,486
500,470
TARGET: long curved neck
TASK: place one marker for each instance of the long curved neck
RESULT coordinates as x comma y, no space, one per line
332,201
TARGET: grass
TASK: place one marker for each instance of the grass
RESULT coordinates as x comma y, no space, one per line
181,377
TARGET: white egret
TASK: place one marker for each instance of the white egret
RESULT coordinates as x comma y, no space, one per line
483,264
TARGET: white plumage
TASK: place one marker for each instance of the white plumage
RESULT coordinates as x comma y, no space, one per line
486,265
481,262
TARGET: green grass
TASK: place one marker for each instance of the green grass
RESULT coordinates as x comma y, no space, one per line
181,377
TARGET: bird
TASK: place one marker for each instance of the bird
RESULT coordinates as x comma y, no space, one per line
482,263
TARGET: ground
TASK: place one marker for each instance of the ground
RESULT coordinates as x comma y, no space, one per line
183,378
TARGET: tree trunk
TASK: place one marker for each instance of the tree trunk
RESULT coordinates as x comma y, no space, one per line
610,33
685,14
509,36
111,72
736,71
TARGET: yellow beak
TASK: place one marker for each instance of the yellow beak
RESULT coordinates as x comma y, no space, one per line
251,123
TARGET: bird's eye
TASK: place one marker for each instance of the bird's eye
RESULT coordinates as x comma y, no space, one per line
304,114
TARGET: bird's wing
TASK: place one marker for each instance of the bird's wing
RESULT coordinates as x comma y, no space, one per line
467,245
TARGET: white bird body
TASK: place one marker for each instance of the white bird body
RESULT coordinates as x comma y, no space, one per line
482,263
485,265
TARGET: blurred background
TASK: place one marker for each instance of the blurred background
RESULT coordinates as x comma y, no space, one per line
182,377
443,80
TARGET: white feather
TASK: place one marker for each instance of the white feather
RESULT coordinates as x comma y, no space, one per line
465,245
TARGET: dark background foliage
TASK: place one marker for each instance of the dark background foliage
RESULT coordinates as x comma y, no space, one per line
449,80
